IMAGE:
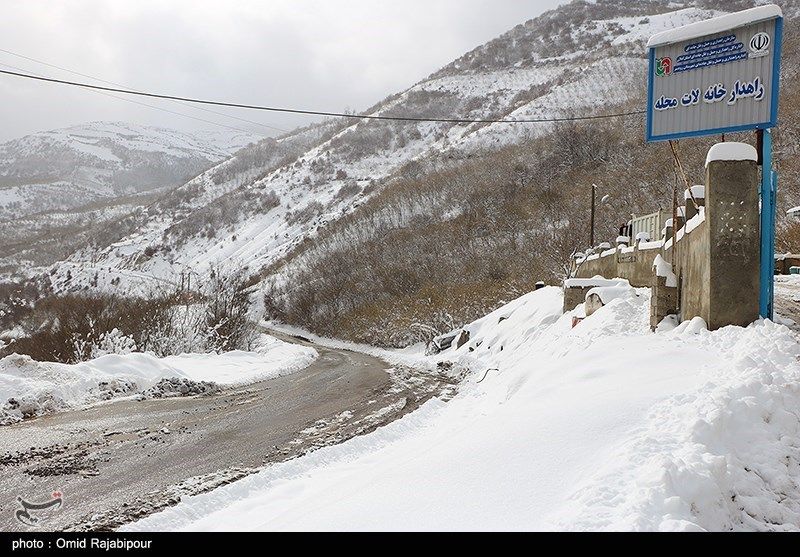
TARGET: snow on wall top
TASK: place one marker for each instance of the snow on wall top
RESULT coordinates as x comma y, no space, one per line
715,25
595,282
731,151
664,269
698,192
608,294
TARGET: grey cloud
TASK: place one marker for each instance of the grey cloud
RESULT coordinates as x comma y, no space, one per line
313,54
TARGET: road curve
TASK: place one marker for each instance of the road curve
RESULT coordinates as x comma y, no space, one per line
117,462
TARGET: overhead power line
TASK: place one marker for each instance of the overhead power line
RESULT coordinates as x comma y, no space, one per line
231,116
218,152
324,113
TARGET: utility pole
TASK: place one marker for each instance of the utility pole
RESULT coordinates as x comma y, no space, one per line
591,225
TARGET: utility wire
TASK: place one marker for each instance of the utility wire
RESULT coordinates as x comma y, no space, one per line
323,113
275,128
216,152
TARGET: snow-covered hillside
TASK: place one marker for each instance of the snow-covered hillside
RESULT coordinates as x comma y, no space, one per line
70,167
605,426
253,210
56,185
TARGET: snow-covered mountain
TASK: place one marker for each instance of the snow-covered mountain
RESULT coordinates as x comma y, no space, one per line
56,184
70,167
255,208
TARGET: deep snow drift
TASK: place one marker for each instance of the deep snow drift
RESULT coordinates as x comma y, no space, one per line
29,388
606,426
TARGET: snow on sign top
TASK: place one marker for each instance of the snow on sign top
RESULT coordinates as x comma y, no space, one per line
715,25
715,76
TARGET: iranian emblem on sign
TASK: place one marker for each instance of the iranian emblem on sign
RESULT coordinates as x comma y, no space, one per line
759,45
663,67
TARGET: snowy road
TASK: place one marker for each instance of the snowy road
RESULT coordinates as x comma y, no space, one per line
603,426
125,460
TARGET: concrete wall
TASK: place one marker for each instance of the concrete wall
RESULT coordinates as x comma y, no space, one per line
575,296
716,260
633,264
691,263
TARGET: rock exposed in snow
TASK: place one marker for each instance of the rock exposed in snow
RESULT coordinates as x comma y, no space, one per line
180,386
600,296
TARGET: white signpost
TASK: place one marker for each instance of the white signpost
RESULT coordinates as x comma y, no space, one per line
722,76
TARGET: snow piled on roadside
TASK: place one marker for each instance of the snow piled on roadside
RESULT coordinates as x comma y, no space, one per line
272,358
412,356
29,388
602,427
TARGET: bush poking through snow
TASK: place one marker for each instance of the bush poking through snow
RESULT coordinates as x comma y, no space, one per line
78,328
227,313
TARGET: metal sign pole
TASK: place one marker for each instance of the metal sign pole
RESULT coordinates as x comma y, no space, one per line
768,190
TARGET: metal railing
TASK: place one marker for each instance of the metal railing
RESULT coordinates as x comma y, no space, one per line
652,224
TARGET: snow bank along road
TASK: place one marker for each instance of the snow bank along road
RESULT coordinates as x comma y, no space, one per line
121,461
605,426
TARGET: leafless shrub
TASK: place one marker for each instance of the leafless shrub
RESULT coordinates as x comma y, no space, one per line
227,312
350,189
76,328
71,328
307,213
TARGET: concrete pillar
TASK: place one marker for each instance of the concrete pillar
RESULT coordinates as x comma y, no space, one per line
668,230
681,217
699,197
690,210
663,301
733,226
575,296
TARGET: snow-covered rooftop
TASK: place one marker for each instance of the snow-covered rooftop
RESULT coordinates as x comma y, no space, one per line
715,25
731,151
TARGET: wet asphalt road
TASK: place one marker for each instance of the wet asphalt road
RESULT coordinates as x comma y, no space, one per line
123,460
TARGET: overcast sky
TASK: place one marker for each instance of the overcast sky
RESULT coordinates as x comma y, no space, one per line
316,54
